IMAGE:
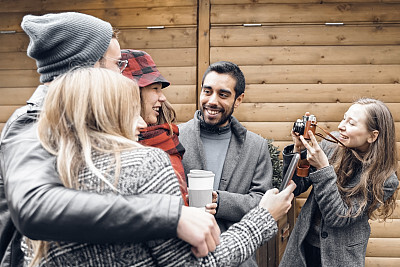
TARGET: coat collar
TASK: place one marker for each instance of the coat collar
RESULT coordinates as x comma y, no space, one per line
234,150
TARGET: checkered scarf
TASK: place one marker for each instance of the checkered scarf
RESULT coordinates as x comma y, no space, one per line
159,136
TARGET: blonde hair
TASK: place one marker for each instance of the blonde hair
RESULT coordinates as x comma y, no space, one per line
87,110
376,165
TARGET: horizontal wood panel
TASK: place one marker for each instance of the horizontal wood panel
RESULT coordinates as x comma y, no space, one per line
381,262
330,93
280,131
14,42
179,75
6,112
120,18
30,78
388,229
321,55
226,2
19,78
184,112
290,112
378,247
56,5
178,57
304,13
339,74
181,94
304,35
15,96
16,61
143,39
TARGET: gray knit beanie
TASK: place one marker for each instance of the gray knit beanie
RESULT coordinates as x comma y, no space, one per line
59,42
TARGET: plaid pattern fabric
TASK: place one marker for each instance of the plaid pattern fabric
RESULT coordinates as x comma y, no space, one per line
142,68
159,136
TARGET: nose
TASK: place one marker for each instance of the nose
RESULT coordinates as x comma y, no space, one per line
341,126
212,99
141,123
162,97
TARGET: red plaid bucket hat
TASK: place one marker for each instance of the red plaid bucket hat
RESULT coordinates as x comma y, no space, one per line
142,68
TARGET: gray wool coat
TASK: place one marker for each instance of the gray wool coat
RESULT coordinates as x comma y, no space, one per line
343,240
246,174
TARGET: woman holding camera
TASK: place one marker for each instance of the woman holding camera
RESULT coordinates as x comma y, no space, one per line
352,182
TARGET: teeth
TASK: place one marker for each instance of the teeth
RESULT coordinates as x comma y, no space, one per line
212,112
156,109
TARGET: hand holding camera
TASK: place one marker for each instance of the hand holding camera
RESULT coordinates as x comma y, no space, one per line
303,130
315,155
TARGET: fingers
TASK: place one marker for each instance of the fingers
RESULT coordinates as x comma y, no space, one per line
199,229
211,208
200,251
215,232
305,143
214,196
290,188
313,139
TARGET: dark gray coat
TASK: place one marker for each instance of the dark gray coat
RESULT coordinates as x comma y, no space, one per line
247,171
343,240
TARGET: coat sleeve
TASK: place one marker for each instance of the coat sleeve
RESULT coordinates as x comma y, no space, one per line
42,208
233,206
237,244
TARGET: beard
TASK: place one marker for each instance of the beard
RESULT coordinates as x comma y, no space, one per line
226,116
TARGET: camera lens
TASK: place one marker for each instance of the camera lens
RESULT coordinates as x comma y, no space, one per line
298,127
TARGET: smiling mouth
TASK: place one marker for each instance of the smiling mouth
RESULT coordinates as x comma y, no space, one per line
343,137
157,109
212,112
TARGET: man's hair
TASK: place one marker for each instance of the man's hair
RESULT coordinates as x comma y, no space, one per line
226,67
115,33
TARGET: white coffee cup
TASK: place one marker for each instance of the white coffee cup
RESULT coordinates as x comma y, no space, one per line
200,187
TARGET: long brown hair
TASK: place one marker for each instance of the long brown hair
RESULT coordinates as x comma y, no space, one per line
376,165
87,110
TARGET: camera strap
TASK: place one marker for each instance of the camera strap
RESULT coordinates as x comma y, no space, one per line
335,140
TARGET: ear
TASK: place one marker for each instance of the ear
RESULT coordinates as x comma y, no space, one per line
373,136
239,100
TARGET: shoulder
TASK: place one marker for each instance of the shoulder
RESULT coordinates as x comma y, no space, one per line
186,126
146,154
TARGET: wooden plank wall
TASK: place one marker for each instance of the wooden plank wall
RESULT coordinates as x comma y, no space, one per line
173,48
294,62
